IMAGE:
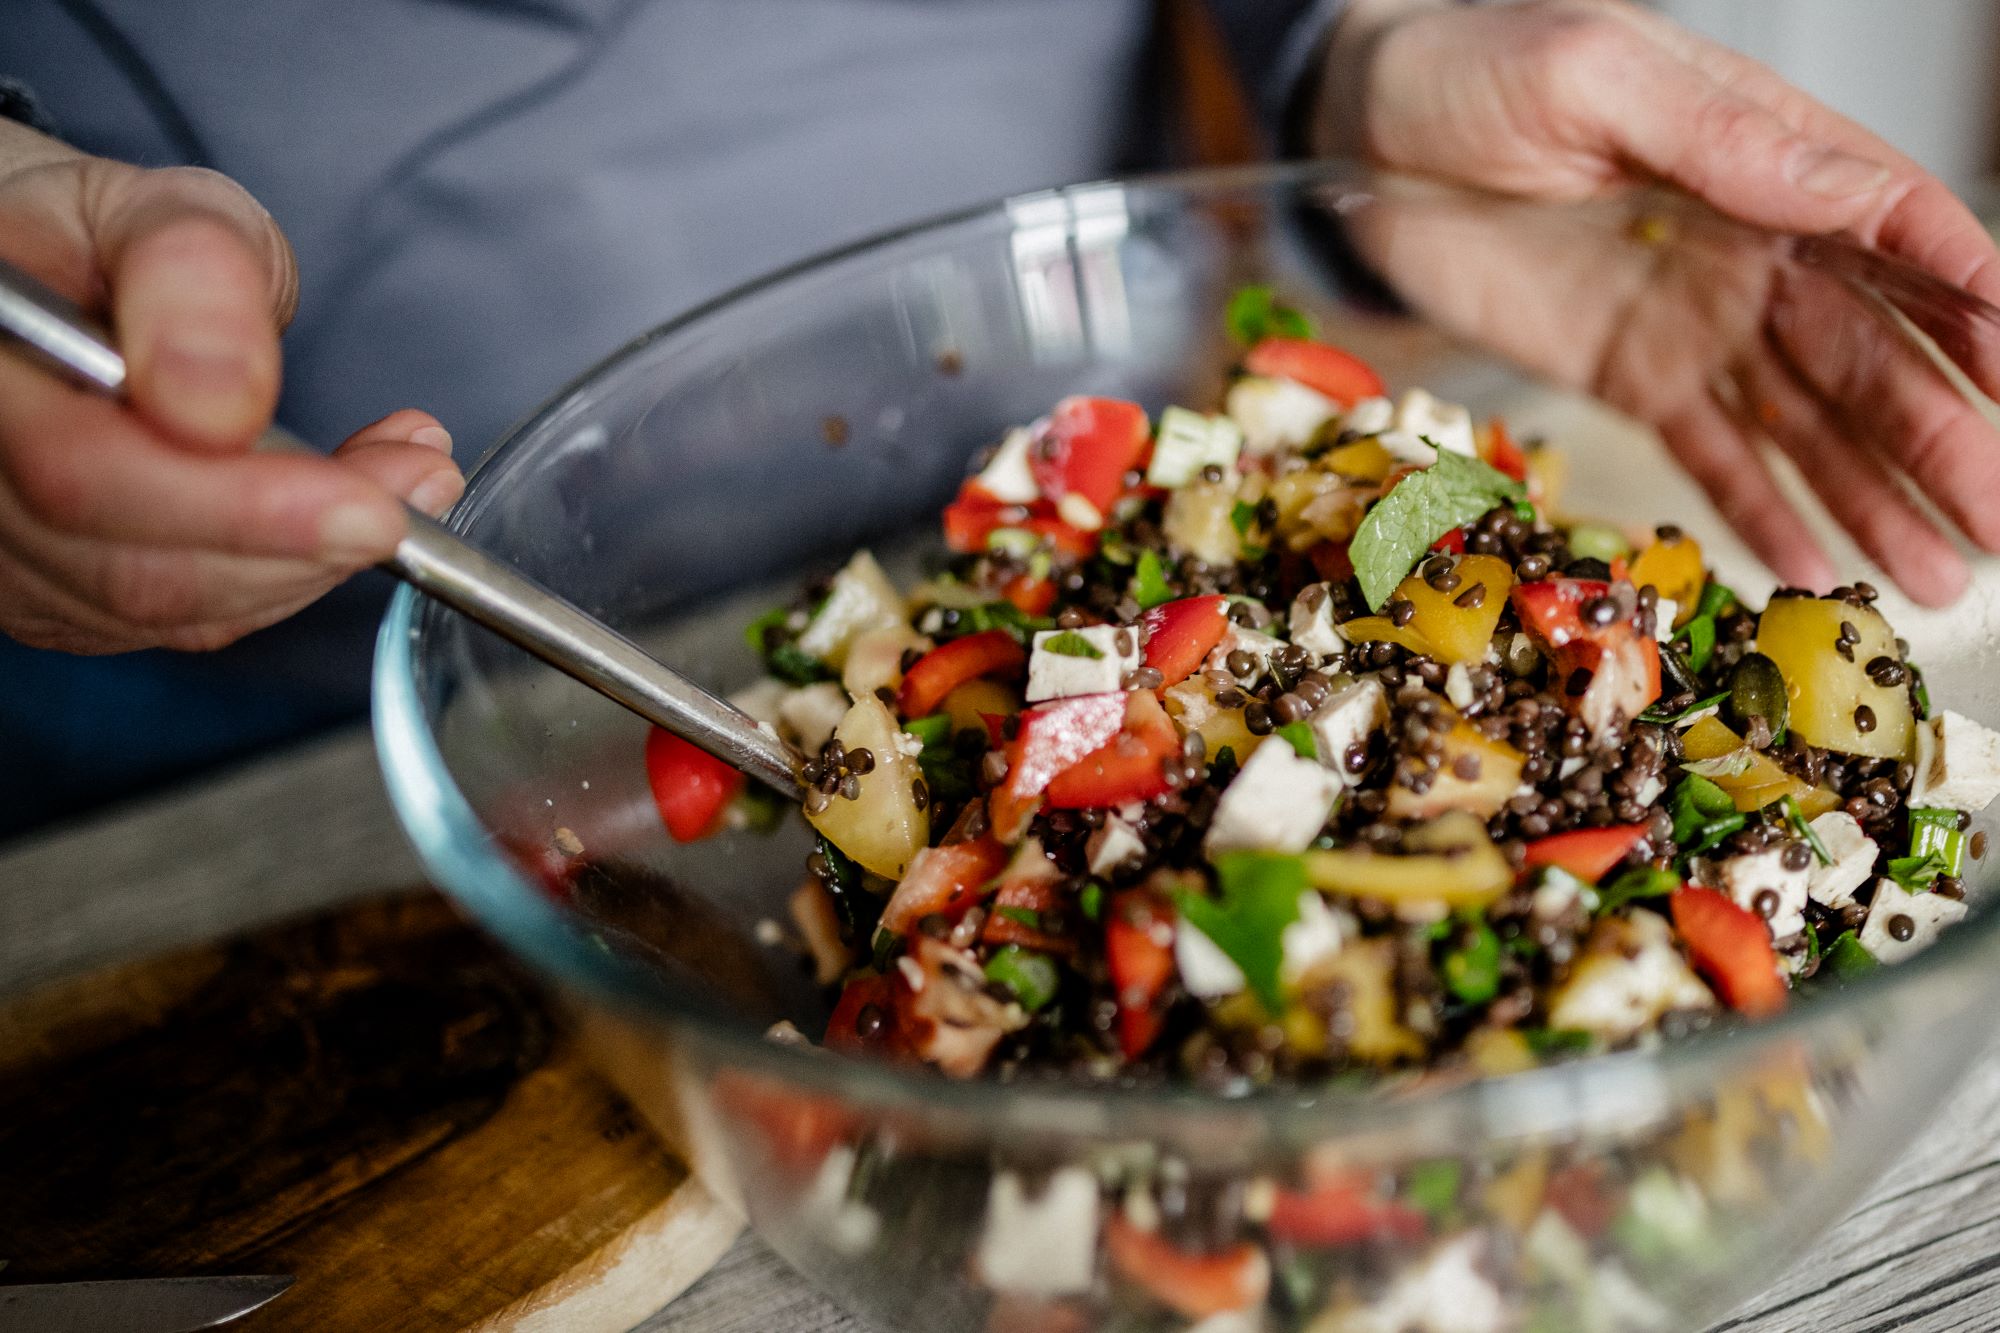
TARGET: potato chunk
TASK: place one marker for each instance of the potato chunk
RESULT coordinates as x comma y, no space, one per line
1828,687
884,826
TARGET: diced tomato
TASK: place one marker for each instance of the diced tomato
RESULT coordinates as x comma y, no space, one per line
843,1029
1453,541
1731,946
944,668
1583,1197
976,515
1341,376
942,881
691,786
1051,737
1587,853
1085,452
1502,454
1193,1286
1341,1209
1037,897
798,1129
1031,596
1180,635
1331,561
1622,664
1139,951
1128,767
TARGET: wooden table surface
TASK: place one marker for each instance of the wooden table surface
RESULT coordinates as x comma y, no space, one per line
311,827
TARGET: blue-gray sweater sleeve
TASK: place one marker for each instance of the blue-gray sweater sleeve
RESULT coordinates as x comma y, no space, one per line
18,102
1276,45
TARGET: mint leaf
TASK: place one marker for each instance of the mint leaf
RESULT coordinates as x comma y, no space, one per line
1301,737
1421,508
1259,897
1149,582
1070,644
1241,515
1916,873
1255,314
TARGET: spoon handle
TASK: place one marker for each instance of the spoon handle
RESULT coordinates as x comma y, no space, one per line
437,562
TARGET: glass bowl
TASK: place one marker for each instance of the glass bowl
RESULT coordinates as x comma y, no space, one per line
675,487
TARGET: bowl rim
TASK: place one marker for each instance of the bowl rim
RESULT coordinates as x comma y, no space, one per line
468,864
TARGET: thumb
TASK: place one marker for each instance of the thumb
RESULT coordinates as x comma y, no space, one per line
201,281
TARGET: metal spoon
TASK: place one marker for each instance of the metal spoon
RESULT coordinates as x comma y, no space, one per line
461,576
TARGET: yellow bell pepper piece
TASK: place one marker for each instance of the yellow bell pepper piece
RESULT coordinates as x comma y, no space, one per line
1442,628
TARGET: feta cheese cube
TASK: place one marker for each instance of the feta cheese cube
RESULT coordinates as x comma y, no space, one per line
1458,686
1043,1246
1370,416
810,713
1420,418
1316,936
1311,622
1445,1293
1958,763
1927,913
1007,477
1664,612
1746,879
1206,971
1188,442
1276,804
759,700
861,599
1277,414
1058,675
1629,975
1853,853
1237,639
1348,718
1113,846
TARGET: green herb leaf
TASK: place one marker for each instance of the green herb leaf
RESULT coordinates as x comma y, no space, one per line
1091,900
1070,644
1149,582
1031,976
843,884
1433,1186
1421,508
1703,814
994,615
1241,516
1545,1042
1919,691
1916,873
1636,883
762,809
1300,734
1472,971
1258,897
758,632
1024,916
1797,819
1848,957
1664,719
1934,829
1255,314
1223,766
1699,634
932,730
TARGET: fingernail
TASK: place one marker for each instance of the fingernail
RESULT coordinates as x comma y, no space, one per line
1835,175
432,437
359,533
438,493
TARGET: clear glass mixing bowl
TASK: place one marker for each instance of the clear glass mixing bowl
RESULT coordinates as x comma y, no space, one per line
761,437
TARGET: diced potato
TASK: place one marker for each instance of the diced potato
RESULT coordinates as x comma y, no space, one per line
1193,706
1825,688
883,827
1333,515
1442,628
1455,864
875,658
1197,520
1675,570
967,704
1759,784
1498,775
1818,801
1364,460
1365,969
862,598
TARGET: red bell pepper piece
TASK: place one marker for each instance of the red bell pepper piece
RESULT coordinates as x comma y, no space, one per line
1039,897
976,515
1085,451
843,1029
1139,952
1587,853
1180,635
1622,664
1731,946
1331,561
1194,1286
1128,767
1341,376
798,1129
1031,596
1584,1197
942,881
946,667
1050,738
691,786
1453,541
1502,454
1341,1209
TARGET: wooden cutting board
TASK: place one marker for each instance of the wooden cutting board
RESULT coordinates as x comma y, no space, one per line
375,1101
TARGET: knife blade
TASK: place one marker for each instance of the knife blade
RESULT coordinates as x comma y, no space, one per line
134,1305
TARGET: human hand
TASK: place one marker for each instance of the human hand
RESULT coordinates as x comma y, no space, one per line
152,522
1566,100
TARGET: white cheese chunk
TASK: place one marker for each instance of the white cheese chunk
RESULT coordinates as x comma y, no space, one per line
1629,975
1041,1246
1458,686
847,1226
1927,913
1348,718
760,699
1237,639
1007,476
1420,418
1277,414
1316,936
1113,845
1370,416
1056,675
1746,878
1276,804
1664,612
1853,854
861,599
1206,971
1187,442
1311,626
1445,1293
1958,763
808,714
